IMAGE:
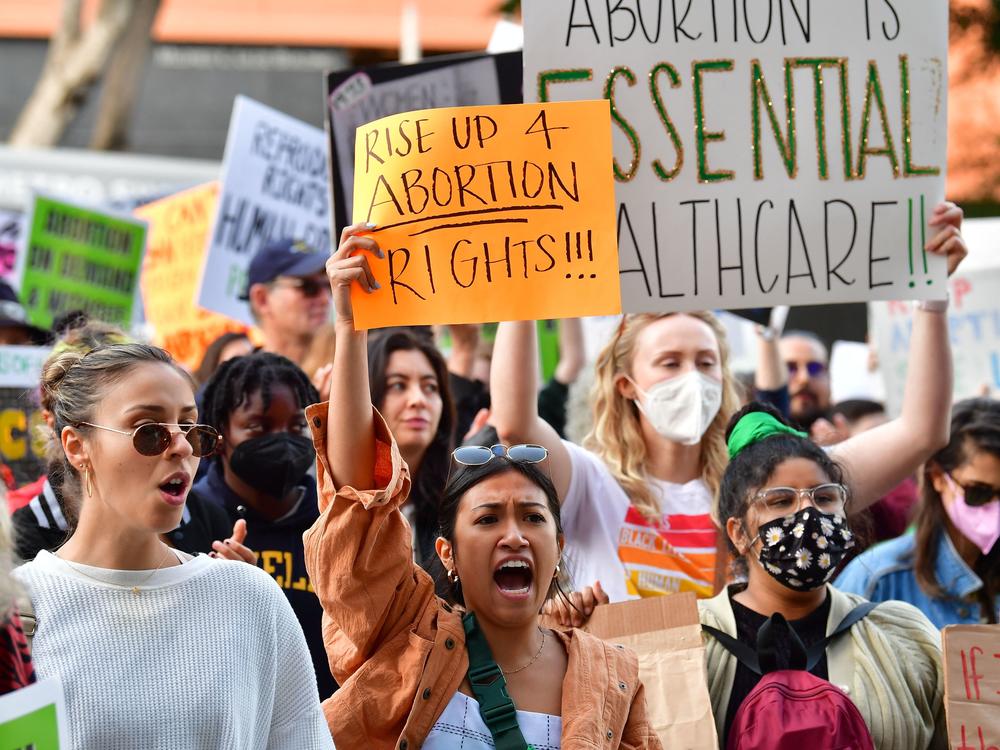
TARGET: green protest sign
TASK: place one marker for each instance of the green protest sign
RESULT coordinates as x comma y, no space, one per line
78,258
34,717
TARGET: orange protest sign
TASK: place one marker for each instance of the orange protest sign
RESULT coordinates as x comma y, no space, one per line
178,229
972,686
488,213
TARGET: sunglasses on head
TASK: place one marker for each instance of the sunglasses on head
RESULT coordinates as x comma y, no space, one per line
813,368
477,455
154,438
976,493
307,285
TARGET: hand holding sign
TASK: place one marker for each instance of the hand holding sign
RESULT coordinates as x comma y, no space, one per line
487,213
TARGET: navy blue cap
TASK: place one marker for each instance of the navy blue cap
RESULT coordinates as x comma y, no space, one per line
13,315
286,257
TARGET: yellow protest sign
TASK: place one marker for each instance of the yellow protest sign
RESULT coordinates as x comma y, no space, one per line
178,229
488,213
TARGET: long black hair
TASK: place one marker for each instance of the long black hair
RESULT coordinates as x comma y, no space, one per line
975,427
750,469
429,480
237,379
463,479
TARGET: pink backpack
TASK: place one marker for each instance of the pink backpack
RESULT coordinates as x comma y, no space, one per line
791,709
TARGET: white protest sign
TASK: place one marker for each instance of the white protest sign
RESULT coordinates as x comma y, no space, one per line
34,717
766,152
274,186
359,101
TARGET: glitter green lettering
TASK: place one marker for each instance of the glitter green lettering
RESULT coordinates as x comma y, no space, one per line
786,144
545,77
873,92
702,136
609,94
675,137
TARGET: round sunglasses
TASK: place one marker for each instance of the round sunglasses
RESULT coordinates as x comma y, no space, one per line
154,438
477,455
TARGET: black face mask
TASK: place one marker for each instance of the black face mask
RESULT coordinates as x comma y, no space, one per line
273,464
803,551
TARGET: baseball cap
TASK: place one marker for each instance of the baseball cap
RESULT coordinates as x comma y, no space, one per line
285,257
13,315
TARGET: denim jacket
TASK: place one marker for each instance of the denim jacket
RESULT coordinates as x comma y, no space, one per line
886,572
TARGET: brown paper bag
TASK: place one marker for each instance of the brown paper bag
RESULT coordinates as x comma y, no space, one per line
665,634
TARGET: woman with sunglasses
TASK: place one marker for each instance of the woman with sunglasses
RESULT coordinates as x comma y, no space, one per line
637,497
260,476
420,670
784,507
948,564
154,647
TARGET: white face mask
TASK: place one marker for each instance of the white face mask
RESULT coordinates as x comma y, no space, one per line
682,408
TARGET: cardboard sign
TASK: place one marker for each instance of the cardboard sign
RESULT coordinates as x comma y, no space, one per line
488,213
22,443
178,230
766,153
972,686
274,186
665,635
80,258
361,95
34,717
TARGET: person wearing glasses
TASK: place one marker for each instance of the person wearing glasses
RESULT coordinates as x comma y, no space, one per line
948,564
638,495
785,509
260,476
154,647
289,296
470,662
806,358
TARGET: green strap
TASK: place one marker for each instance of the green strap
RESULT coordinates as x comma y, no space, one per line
490,688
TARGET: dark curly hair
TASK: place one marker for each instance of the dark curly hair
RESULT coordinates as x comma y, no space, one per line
237,379
750,469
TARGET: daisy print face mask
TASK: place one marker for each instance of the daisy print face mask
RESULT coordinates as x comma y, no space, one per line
802,551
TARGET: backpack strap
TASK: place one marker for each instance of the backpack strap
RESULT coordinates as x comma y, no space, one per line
490,688
752,659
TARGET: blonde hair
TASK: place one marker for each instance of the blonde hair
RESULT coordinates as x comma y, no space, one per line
9,588
617,435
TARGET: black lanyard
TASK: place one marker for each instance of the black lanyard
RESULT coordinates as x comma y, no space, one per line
490,688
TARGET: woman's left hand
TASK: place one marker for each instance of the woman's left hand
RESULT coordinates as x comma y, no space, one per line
233,548
948,242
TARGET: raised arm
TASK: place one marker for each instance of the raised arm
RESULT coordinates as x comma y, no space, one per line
879,459
514,392
350,410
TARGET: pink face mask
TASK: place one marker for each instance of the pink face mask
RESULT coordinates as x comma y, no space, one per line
980,524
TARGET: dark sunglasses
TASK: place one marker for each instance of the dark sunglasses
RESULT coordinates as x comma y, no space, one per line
477,455
977,494
308,286
154,438
815,369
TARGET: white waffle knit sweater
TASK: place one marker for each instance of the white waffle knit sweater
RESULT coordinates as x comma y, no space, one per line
208,655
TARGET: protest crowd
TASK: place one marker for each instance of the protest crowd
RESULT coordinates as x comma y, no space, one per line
524,457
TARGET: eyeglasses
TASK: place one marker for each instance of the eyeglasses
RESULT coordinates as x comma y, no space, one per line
784,501
477,455
813,368
976,493
309,286
154,438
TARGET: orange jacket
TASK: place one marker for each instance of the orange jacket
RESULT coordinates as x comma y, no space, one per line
398,651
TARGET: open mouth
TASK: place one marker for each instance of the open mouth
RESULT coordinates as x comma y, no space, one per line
513,577
174,487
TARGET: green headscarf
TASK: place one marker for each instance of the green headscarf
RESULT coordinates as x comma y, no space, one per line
756,426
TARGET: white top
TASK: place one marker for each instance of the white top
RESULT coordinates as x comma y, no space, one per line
208,655
608,540
461,726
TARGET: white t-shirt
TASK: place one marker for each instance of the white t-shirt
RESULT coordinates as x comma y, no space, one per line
608,540
208,654
461,725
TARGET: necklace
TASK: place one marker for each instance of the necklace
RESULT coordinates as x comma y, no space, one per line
136,590
534,658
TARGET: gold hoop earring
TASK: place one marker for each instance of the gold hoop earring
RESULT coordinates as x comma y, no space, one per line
452,576
90,486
